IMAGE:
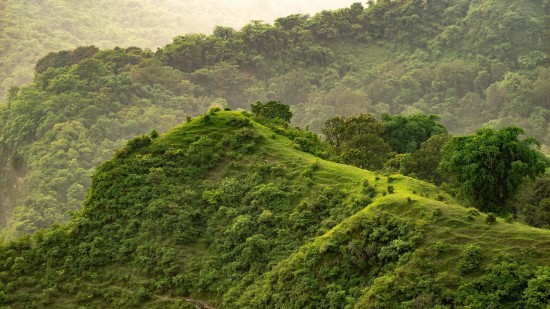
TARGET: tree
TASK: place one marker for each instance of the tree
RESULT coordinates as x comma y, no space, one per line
339,130
405,134
366,151
272,110
424,162
490,165
357,139
532,202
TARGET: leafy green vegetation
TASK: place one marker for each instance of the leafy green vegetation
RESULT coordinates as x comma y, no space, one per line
457,59
36,27
81,107
490,165
394,57
235,209
226,211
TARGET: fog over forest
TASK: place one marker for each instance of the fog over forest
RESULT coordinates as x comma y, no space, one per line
31,29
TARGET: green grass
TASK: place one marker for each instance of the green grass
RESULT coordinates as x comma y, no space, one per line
454,224
454,228
323,255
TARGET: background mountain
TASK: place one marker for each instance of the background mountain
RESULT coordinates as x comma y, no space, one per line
31,29
223,211
473,63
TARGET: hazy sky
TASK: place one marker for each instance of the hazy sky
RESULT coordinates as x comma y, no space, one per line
237,13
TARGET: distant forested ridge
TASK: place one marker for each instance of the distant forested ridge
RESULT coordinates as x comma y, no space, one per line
473,63
30,29
470,62
82,105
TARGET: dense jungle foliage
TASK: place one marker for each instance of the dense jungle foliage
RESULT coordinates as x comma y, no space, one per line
397,57
32,28
454,59
239,209
225,212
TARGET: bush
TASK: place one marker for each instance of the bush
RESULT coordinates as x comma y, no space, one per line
437,213
537,293
491,218
472,214
441,247
239,121
134,144
470,259
244,139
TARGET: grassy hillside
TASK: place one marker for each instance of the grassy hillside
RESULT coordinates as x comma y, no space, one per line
473,63
225,212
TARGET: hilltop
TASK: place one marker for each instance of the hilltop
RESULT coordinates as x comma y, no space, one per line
472,63
224,211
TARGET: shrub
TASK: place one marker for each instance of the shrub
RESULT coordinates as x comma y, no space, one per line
239,121
441,247
472,213
537,293
369,191
244,139
437,213
491,218
134,144
470,259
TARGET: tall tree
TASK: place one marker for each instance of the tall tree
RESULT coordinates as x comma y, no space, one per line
339,130
424,162
490,165
405,134
357,140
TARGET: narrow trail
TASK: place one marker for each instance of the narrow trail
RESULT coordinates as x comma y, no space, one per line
199,304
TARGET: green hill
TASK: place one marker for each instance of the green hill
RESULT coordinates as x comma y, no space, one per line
473,63
224,212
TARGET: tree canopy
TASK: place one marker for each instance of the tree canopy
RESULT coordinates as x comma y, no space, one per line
490,165
272,110
357,140
405,134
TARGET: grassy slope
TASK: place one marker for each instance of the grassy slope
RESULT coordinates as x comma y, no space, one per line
454,228
420,204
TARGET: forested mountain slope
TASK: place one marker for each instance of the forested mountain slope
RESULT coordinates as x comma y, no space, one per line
224,211
31,29
56,131
474,63
471,62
